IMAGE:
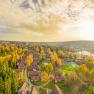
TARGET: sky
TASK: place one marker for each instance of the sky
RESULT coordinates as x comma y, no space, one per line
48,21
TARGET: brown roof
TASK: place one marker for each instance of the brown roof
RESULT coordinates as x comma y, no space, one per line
33,66
58,76
34,75
21,65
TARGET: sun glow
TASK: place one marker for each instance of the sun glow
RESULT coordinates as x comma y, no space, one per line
86,28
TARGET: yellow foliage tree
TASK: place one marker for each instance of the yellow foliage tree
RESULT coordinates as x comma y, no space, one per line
22,77
29,60
84,68
49,67
51,76
60,52
59,62
44,76
2,59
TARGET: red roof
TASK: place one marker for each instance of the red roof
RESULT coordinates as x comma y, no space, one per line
58,76
34,75
21,66
33,66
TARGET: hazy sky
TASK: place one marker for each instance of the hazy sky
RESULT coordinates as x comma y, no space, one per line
58,20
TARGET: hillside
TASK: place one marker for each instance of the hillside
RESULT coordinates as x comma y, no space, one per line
80,45
71,45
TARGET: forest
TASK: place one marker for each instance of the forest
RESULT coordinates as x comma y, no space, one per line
44,69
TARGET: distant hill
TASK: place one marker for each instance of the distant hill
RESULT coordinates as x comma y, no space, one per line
80,45
75,45
72,45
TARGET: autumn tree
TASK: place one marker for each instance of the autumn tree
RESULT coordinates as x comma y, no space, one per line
29,60
44,76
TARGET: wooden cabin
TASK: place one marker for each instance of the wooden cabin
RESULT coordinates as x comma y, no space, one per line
58,77
34,75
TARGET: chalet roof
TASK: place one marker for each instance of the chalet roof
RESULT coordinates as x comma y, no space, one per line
34,75
33,66
21,65
26,87
59,76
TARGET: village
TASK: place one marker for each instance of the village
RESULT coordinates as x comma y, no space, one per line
42,69
34,74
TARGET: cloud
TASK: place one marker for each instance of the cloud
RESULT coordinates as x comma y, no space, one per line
43,25
55,22
7,30
25,5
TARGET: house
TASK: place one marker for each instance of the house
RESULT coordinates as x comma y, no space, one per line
34,65
58,77
25,88
34,75
20,66
36,56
